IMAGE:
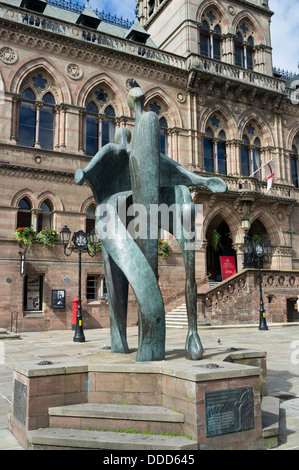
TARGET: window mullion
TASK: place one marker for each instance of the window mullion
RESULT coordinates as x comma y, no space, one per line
215,156
100,132
211,46
245,57
38,106
251,160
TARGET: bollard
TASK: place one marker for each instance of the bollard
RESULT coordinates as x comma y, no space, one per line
75,310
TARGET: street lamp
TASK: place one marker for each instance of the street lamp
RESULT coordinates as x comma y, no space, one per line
262,250
259,251
80,241
256,250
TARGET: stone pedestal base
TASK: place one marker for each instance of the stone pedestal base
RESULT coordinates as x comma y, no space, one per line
219,400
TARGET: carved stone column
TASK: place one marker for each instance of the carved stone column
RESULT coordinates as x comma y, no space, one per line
14,133
82,114
38,106
64,109
239,248
282,258
34,218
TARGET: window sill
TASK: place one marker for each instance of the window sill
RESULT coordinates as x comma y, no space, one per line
94,303
33,313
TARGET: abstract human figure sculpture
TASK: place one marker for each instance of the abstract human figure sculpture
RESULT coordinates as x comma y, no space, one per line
121,174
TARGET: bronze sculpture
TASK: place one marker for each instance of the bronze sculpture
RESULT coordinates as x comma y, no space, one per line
139,174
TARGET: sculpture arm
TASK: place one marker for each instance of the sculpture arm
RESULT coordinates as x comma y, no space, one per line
94,165
172,173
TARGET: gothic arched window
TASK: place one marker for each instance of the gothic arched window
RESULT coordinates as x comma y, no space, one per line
250,153
208,147
294,161
91,129
99,128
221,153
90,218
45,217
27,118
215,150
163,135
36,115
24,213
108,126
160,109
244,48
210,38
45,127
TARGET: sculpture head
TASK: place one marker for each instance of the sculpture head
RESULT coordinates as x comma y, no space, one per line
122,136
136,99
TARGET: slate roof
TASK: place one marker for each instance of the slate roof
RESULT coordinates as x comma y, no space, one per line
64,13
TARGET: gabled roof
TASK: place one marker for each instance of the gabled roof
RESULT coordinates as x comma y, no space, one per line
137,33
88,17
34,5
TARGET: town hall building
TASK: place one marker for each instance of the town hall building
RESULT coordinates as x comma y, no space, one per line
206,70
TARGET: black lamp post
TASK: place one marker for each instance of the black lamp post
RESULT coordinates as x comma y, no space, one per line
259,252
256,250
80,241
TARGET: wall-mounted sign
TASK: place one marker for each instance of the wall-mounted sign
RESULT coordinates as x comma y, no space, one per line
66,280
58,298
229,411
228,266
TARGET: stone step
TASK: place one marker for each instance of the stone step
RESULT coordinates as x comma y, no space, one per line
117,417
270,421
173,313
4,334
76,439
177,318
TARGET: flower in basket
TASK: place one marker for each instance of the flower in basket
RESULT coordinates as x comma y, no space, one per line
95,249
25,235
163,248
47,236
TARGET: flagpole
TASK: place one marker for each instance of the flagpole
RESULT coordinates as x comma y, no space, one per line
260,167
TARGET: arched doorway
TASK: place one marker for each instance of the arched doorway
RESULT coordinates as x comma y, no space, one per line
218,231
258,232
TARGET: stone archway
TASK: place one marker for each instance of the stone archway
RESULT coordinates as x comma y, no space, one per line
258,232
218,228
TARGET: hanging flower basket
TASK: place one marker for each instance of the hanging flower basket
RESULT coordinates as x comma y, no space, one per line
47,236
25,235
95,249
164,249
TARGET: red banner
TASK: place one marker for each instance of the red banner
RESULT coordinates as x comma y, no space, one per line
228,266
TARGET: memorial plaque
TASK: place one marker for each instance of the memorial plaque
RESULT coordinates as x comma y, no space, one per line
19,404
229,411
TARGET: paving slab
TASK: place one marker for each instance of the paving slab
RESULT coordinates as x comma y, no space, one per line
280,342
76,438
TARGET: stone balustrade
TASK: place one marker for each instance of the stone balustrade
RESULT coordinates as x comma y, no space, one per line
238,74
74,31
237,299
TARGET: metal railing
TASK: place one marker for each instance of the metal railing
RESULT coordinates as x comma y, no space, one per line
13,318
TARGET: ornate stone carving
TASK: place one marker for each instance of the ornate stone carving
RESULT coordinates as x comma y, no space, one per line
283,252
74,71
8,55
181,97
